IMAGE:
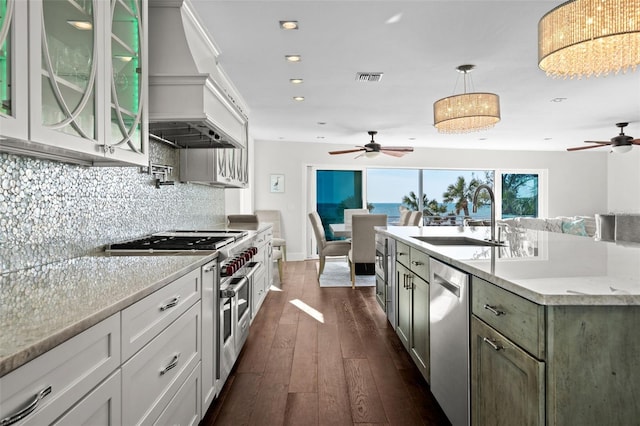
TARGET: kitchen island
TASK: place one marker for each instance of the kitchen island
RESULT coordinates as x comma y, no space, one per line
551,323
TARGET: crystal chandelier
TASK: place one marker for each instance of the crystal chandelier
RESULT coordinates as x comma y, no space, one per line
468,112
590,37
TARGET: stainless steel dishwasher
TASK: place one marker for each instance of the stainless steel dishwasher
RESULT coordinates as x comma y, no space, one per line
449,340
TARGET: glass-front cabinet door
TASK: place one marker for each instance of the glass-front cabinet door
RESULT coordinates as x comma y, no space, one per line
86,88
14,120
127,135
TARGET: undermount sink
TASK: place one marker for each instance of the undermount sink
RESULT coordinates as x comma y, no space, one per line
457,241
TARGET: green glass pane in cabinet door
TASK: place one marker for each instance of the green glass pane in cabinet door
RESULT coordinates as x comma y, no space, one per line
5,59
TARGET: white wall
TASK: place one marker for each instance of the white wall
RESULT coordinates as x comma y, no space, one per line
577,181
623,182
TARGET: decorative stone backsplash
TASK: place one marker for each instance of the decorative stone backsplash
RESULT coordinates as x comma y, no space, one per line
51,211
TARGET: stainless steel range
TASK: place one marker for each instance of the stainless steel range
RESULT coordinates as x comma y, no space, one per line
232,300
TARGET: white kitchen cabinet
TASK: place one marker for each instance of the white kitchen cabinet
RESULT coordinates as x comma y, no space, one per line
154,375
209,332
184,408
101,407
143,320
86,81
14,111
226,167
63,375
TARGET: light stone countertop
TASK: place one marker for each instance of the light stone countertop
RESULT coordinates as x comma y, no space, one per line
547,268
43,306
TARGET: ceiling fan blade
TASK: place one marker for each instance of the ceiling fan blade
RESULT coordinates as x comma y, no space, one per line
578,148
399,148
599,142
392,152
347,151
635,141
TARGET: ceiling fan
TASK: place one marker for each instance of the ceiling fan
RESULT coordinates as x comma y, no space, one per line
620,144
374,148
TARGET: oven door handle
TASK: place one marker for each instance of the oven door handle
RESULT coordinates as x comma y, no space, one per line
232,290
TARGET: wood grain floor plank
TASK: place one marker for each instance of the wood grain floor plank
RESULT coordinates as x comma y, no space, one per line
350,342
333,396
301,409
366,405
285,336
239,401
304,368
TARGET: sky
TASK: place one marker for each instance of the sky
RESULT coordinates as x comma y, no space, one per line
390,185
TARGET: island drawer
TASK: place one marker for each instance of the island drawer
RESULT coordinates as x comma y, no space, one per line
53,382
517,318
403,253
419,263
146,318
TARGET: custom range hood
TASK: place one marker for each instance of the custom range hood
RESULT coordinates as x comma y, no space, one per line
192,103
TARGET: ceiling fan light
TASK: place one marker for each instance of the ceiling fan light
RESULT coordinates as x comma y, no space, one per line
585,37
621,149
371,154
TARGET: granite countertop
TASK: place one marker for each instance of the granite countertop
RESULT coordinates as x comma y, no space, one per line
547,268
43,306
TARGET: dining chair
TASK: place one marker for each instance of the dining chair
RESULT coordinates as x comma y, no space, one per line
326,248
415,219
273,217
405,215
363,240
348,213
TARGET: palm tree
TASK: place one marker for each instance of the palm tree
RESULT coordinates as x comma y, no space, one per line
429,207
461,193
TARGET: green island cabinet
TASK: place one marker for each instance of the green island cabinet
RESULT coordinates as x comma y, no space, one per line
552,365
412,281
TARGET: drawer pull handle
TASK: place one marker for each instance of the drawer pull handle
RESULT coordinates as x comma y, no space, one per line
416,263
493,310
26,410
173,302
209,269
171,365
491,343
401,253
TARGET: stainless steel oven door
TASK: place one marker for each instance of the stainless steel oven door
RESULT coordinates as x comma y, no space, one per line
241,311
227,351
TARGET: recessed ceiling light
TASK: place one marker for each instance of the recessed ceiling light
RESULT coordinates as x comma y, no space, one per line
319,137
558,99
322,123
295,80
547,139
412,139
293,58
289,25
298,98
482,139
81,25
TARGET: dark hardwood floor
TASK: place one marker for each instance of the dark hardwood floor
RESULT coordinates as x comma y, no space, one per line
323,356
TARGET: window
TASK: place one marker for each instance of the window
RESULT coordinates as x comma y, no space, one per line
337,190
519,195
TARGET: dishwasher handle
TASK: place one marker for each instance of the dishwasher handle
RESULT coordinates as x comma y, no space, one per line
449,286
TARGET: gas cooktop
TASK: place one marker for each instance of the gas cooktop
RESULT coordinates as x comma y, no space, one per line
179,241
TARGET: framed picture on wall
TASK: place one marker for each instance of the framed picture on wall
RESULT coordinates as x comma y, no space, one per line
277,183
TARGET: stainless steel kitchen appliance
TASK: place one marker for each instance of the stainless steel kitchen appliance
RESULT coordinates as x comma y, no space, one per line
231,301
449,340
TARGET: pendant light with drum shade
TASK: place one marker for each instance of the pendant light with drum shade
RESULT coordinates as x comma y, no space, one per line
467,112
583,38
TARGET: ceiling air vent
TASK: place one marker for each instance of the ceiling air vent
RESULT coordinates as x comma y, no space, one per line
369,76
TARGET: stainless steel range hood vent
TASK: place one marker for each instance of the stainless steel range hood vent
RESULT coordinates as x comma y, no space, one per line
192,103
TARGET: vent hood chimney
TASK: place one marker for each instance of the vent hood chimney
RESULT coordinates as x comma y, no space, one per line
192,103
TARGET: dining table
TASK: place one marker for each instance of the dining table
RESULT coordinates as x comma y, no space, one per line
340,229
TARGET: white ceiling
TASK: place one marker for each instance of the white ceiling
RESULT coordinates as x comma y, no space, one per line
417,45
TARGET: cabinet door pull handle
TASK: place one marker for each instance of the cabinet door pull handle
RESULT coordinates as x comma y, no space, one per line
401,253
172,364
493,310
26,410
491,343
209,269
173,302
416,263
